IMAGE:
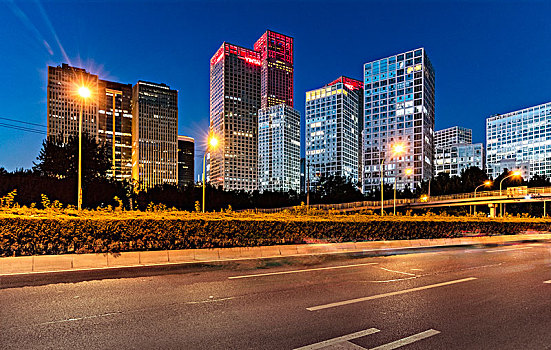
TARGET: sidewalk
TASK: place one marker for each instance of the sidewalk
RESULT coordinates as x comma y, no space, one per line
78,262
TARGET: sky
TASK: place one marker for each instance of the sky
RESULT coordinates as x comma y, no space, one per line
489,56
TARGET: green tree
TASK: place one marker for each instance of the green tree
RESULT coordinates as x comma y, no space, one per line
60,160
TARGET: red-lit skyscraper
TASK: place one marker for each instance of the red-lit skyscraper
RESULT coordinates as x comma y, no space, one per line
242,81
276,53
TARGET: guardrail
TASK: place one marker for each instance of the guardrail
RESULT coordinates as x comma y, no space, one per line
433,199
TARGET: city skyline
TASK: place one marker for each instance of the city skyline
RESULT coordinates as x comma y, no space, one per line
41,22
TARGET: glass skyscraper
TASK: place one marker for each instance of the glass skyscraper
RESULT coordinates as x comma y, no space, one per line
520,140
332,130
398,109
278,149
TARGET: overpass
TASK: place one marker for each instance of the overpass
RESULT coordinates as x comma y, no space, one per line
514,195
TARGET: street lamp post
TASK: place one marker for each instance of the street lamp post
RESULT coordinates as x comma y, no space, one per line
213,142
515,173
396,150
84,93
486,183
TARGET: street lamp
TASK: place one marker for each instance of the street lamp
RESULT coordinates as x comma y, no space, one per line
397,149
212,144
84,93
408,172
486,183
514,173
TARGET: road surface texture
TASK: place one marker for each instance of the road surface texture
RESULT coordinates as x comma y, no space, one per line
482,298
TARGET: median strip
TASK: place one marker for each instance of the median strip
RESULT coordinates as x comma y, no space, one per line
384,295
299,271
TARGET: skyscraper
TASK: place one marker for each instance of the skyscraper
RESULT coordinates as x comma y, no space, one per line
121,95
455,152
332,130
520,140
64,102
398,109
154,134
276,75
279,149
234,104
241,82
186,160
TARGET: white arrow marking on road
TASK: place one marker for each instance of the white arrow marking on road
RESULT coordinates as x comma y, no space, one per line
407,340
337,340
298,271
372,297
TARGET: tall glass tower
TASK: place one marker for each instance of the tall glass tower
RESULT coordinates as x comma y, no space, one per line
398,110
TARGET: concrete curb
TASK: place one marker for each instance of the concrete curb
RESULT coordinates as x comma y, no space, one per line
77,262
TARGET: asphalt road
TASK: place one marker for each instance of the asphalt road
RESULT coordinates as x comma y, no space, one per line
484,298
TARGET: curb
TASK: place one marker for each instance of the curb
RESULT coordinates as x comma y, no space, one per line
41,264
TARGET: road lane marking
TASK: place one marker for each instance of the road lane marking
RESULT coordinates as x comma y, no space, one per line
345,345
395,280
337,340
378,296
507,250
403,273
407,340
547,281
299,271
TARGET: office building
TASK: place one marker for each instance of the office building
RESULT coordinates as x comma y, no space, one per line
278,149
276,73
242,81
186,160
398,110
115,109
520,140
64,103
154,134
451,136
332,130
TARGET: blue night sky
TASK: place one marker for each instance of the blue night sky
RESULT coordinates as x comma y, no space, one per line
489,56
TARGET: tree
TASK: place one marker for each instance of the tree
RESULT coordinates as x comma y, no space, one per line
337,189
539,181
60,160
471,178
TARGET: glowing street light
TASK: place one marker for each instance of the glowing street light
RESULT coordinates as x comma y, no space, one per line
212,144
514,173
397,149
424,198
84,93
486,183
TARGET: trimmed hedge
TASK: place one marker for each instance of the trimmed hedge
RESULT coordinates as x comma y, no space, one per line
24,235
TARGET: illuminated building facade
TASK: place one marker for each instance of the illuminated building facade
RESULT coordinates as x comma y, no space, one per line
64,102
234,105
154,134
242,81
186,160
122,94
455,152
276,73
332,130
278,149
520,140
398,109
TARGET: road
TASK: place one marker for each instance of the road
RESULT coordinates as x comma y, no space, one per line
476,298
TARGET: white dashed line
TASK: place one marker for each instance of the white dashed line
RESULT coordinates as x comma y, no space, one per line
299,271
507,250
547,281
378,296
343,339
407,340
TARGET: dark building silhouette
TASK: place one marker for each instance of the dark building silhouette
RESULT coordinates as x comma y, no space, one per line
186,160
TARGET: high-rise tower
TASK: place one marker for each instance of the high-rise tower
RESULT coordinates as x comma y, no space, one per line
398,110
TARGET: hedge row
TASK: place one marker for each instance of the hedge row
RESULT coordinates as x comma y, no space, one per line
29,236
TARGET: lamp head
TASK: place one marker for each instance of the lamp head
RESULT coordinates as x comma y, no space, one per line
398,148
488,183
517,173
409,171
213,142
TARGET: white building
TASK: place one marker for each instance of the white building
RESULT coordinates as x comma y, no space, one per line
398,109
278,149
520,139
455,152
332,130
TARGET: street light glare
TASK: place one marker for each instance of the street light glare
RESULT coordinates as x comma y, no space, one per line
399,148
409,171
487,183
84,92
213,142
517,173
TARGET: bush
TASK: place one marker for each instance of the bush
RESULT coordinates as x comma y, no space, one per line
45,232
